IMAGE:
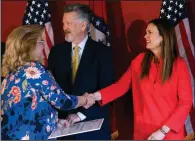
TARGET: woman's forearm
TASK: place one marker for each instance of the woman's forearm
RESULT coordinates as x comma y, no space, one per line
82,100
114,91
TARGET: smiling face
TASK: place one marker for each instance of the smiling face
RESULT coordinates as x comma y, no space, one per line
153,38
74,28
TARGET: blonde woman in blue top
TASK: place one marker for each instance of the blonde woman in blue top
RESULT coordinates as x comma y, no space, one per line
29,93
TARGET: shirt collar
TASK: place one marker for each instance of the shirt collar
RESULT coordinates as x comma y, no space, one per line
81,44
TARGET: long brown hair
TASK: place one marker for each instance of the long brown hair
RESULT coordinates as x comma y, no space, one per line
20,45
168,50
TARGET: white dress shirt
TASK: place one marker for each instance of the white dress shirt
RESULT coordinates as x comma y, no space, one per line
81,48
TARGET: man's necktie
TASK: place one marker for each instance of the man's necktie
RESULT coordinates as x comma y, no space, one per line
75,62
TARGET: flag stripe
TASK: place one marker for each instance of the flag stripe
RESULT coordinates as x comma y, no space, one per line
48,40
45,58
187,27
49,30
187,48
183,54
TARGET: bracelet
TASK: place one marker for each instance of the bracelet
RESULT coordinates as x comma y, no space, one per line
163,131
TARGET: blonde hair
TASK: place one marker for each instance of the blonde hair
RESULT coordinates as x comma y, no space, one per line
20,46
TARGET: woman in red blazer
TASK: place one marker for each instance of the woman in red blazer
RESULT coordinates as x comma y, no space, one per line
160,81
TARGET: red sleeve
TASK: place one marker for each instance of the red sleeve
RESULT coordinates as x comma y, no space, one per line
178,117
117,89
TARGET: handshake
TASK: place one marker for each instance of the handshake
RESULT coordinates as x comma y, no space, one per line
88,99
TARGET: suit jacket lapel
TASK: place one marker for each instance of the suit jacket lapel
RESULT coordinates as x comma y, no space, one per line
68,55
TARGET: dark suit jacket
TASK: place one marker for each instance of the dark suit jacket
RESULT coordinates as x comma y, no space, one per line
95,71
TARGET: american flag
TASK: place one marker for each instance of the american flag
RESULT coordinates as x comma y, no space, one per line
99,30
37,12
176,12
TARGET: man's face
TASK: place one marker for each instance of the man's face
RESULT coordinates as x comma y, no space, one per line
72,26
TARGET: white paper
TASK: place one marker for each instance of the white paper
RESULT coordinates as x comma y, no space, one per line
77,128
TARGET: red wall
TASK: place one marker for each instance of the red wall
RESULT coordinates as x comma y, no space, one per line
12,13
127,21
11,16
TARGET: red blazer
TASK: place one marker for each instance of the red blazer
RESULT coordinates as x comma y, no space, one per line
155,104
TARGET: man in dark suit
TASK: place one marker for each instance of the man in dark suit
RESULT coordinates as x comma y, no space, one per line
82,65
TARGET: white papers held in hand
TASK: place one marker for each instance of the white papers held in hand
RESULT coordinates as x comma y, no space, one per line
77,128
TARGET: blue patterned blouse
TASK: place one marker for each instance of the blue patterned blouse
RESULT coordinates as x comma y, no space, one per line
29,98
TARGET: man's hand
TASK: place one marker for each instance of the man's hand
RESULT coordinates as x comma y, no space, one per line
73,118
158,135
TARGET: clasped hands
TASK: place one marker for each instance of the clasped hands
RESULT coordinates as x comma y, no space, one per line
86,100
90,100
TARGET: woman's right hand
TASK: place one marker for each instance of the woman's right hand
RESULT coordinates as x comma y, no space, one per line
97,96
85,100
94,96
